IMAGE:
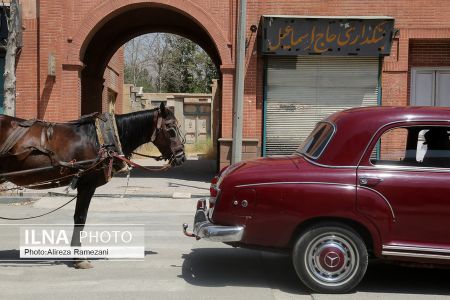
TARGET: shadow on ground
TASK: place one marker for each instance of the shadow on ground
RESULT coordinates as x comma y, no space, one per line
219,267
11,258
196,170
392,278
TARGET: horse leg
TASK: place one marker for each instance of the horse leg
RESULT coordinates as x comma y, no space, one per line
85,193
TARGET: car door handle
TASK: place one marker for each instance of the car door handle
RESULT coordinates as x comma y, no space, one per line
369,181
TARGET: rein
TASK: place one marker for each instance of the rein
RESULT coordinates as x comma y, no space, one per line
54,181
136,165
75,176
41,215
157,158
79,174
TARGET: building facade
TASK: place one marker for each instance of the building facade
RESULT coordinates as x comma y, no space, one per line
285,93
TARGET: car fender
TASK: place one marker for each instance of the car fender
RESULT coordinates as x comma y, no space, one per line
282,208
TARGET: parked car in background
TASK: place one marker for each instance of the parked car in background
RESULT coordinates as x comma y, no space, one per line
366,183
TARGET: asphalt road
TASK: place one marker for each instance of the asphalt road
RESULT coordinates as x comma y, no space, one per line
177,267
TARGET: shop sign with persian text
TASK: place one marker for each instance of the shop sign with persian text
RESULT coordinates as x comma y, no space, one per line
327,36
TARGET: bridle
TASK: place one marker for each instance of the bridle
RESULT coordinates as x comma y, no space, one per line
157,118
171,131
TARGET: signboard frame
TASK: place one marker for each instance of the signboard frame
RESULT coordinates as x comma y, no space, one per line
335,36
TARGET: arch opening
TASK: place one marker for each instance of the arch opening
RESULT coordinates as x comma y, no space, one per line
122,26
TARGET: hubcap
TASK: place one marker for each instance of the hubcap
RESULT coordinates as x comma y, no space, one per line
331,259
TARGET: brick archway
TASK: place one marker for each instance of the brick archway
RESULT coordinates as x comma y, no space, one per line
111,8
113,23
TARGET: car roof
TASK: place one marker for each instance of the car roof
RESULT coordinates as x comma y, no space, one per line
382,114
356,126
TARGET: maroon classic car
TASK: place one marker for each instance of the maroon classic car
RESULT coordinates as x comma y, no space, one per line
366,183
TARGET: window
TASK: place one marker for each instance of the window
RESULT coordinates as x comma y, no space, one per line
430,87
419,146
316,142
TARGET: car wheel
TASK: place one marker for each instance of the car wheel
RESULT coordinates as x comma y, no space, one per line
330,258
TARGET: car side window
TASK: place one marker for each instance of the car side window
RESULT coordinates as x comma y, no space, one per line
419,146
435,147
391,147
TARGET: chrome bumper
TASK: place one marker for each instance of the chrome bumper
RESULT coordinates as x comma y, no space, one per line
203,229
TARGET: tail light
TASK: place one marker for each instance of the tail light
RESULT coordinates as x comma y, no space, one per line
213,192
213,188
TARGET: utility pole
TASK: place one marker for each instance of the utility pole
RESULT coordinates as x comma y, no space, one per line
238,101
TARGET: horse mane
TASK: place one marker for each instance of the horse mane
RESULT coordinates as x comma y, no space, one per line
135,129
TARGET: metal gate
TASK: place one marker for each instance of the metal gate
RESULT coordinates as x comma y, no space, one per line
302,90
197,123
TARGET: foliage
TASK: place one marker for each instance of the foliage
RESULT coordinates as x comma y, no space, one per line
168,63
142,80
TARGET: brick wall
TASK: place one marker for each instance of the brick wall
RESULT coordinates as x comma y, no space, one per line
393,144
66,27
38,94
27,72
113,83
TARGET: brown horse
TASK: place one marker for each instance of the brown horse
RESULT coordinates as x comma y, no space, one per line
47,155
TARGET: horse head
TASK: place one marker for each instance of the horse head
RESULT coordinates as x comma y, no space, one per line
168,138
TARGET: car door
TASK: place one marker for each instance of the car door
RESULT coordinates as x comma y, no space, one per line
407,196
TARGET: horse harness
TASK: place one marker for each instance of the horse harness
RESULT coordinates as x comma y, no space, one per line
20,129
110,156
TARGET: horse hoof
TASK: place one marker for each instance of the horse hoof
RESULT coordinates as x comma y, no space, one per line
83,264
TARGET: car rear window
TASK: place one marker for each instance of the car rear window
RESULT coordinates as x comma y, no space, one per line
317,140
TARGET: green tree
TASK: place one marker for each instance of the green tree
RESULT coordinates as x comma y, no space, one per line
144,79
179,74
168,63
138,59
206,72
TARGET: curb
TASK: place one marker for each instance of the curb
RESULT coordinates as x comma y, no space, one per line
17,199
175,195
36,196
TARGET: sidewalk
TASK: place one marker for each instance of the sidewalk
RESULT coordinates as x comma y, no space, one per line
191,180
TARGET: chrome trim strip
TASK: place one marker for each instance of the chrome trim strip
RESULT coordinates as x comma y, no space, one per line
324,183
392,123
419,255
406,168
380,167
383,197
296,182
329,139
415,248
324,166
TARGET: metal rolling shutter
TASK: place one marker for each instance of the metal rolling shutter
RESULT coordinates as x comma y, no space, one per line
302,90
